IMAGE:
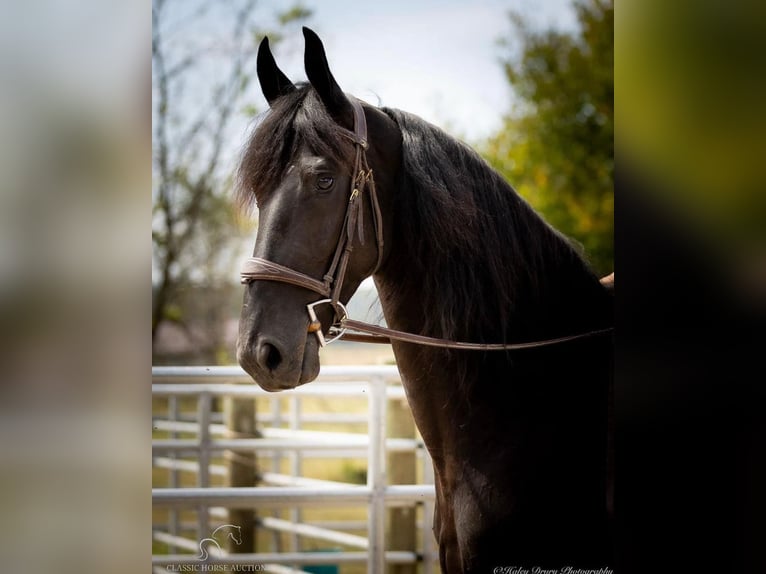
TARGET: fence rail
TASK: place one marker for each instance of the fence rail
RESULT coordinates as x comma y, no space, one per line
293,491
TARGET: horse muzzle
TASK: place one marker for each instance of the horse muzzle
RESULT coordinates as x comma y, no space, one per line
274,346
276,365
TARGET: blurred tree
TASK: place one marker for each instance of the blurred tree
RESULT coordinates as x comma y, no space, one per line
203,55
556,145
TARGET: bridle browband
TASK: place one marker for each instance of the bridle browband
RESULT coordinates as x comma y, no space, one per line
257,268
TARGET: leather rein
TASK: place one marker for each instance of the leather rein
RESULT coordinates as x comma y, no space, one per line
257,268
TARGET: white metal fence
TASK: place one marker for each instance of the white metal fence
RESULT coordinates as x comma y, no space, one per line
373,383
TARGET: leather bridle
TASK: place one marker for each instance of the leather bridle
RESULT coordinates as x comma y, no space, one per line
353,225
257,268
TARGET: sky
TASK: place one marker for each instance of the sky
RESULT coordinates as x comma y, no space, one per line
437,59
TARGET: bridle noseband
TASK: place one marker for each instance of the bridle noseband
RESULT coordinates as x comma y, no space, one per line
257,268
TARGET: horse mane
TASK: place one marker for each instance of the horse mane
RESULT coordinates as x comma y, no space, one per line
488,259
294,120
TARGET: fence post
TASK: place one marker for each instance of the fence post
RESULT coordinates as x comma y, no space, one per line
204,403
174,415
429,542
376,475
240,421
296,466
402,528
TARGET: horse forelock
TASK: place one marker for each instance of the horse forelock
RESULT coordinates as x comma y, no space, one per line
295,120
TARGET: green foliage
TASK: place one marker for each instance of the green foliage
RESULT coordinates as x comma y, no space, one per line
297,13
173,313
692,93
353,473
556,145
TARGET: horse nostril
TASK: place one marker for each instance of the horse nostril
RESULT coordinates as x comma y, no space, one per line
269,356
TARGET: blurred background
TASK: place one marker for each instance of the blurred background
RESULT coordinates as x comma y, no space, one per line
527,84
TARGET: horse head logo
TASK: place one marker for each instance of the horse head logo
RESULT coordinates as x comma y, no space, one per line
234,532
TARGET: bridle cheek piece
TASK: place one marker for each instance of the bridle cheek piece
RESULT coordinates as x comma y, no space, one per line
257,268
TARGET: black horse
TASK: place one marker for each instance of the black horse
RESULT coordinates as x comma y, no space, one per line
520,439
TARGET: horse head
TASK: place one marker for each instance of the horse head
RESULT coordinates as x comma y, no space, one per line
318,237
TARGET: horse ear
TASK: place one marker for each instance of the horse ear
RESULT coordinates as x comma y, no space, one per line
318,72
273,82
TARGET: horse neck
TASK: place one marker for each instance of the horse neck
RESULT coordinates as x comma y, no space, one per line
555,309
560,296
468,257
472,389
477,393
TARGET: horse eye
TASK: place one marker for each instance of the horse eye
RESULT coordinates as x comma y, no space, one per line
325,182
